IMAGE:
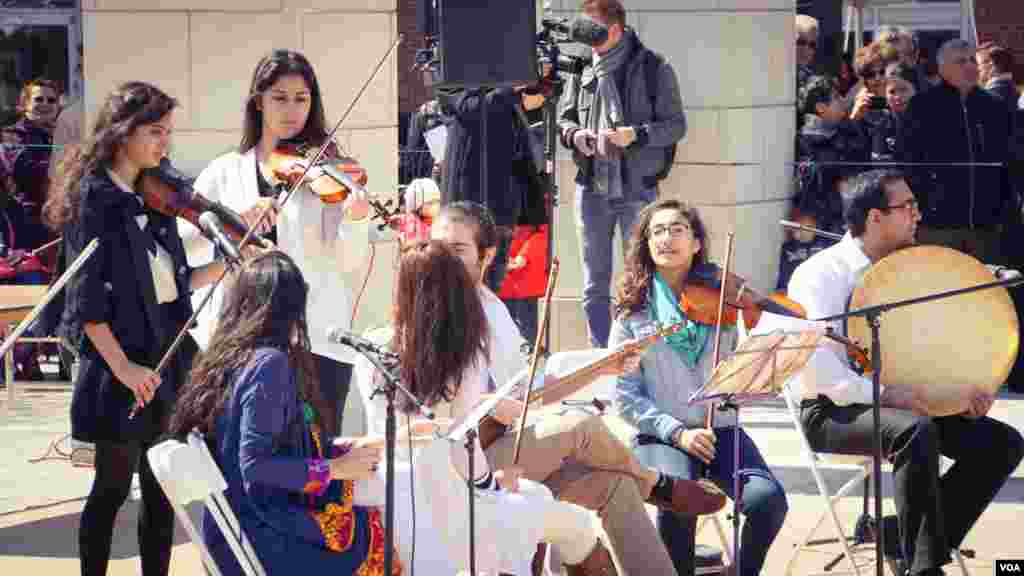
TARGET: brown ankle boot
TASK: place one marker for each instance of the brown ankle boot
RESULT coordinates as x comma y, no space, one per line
598,563
691,497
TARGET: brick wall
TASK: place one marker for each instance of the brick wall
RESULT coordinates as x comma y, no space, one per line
1002,21
411,91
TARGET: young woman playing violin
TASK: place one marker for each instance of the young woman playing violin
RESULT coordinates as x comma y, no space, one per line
667,253
284,107
122,310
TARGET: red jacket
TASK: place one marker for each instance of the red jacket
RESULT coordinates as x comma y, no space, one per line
529,280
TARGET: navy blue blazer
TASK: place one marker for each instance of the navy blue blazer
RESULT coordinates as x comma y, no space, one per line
115,286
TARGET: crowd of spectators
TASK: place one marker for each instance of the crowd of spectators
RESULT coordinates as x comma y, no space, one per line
949,123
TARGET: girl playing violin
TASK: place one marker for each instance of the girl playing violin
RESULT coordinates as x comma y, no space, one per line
667,252
284,104
122,310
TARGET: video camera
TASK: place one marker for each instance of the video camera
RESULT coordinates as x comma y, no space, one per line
563,31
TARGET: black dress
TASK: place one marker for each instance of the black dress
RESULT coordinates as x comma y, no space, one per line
115,286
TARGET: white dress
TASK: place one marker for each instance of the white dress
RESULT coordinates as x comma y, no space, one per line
509,526
308,230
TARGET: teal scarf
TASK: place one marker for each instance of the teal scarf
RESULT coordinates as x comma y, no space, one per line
693,338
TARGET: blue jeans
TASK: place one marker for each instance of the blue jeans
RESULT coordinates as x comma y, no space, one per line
596,217
763,501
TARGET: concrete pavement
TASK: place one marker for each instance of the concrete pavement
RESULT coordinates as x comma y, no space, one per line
40,502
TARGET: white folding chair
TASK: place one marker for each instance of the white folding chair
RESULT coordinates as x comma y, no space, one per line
862,467
187,473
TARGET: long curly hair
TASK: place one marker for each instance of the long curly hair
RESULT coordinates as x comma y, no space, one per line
265,305
635,283
440,325
268,70
129,106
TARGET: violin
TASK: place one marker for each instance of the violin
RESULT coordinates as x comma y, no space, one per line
168,191
333,179
699,301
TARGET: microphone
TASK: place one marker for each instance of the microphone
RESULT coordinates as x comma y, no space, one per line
346,338
589,32
337,335
797,226
582,30
211,227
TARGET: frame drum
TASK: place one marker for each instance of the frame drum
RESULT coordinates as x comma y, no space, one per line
947,347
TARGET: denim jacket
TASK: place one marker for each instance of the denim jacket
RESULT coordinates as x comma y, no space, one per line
654,398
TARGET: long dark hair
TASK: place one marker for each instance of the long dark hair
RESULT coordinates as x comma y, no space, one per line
440,326
129,106
270,68
639,269
265,305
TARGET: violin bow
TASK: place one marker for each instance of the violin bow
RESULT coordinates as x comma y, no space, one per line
266,210
544,321
721,313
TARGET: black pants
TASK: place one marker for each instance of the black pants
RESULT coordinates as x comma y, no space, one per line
115,464
935,513
335,378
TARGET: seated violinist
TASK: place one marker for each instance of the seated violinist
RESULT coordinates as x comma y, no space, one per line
604,475
284,104
668,251
289,482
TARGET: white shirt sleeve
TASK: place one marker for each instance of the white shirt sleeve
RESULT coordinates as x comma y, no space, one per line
819,288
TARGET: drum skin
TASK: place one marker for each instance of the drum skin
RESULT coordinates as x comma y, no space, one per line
949,347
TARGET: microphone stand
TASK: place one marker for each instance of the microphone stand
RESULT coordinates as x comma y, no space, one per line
873,316
389,389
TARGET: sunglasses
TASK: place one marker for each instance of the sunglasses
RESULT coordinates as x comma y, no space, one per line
806,43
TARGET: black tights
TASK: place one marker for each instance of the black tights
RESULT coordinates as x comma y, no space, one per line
115,464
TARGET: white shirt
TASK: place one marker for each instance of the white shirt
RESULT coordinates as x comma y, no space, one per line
823,286
161,265
308,230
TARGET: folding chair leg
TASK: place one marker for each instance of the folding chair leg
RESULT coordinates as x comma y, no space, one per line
726,549
960,562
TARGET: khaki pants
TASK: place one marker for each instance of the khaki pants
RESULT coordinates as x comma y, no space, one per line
582,462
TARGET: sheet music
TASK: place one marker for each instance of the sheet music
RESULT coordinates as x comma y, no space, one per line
437,141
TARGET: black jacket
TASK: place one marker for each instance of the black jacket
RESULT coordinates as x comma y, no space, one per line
887,138
508,163
942,128
115,286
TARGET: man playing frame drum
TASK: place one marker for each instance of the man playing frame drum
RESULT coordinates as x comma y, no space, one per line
935,512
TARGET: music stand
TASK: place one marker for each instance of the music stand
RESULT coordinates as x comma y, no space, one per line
872,314
756,371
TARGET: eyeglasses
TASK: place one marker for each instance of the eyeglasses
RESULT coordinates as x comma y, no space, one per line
910,204
873,73
806,43
676,230
48,100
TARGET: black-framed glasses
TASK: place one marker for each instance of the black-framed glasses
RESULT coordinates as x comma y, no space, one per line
47,99
674,230
873,73
806,43
910,204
